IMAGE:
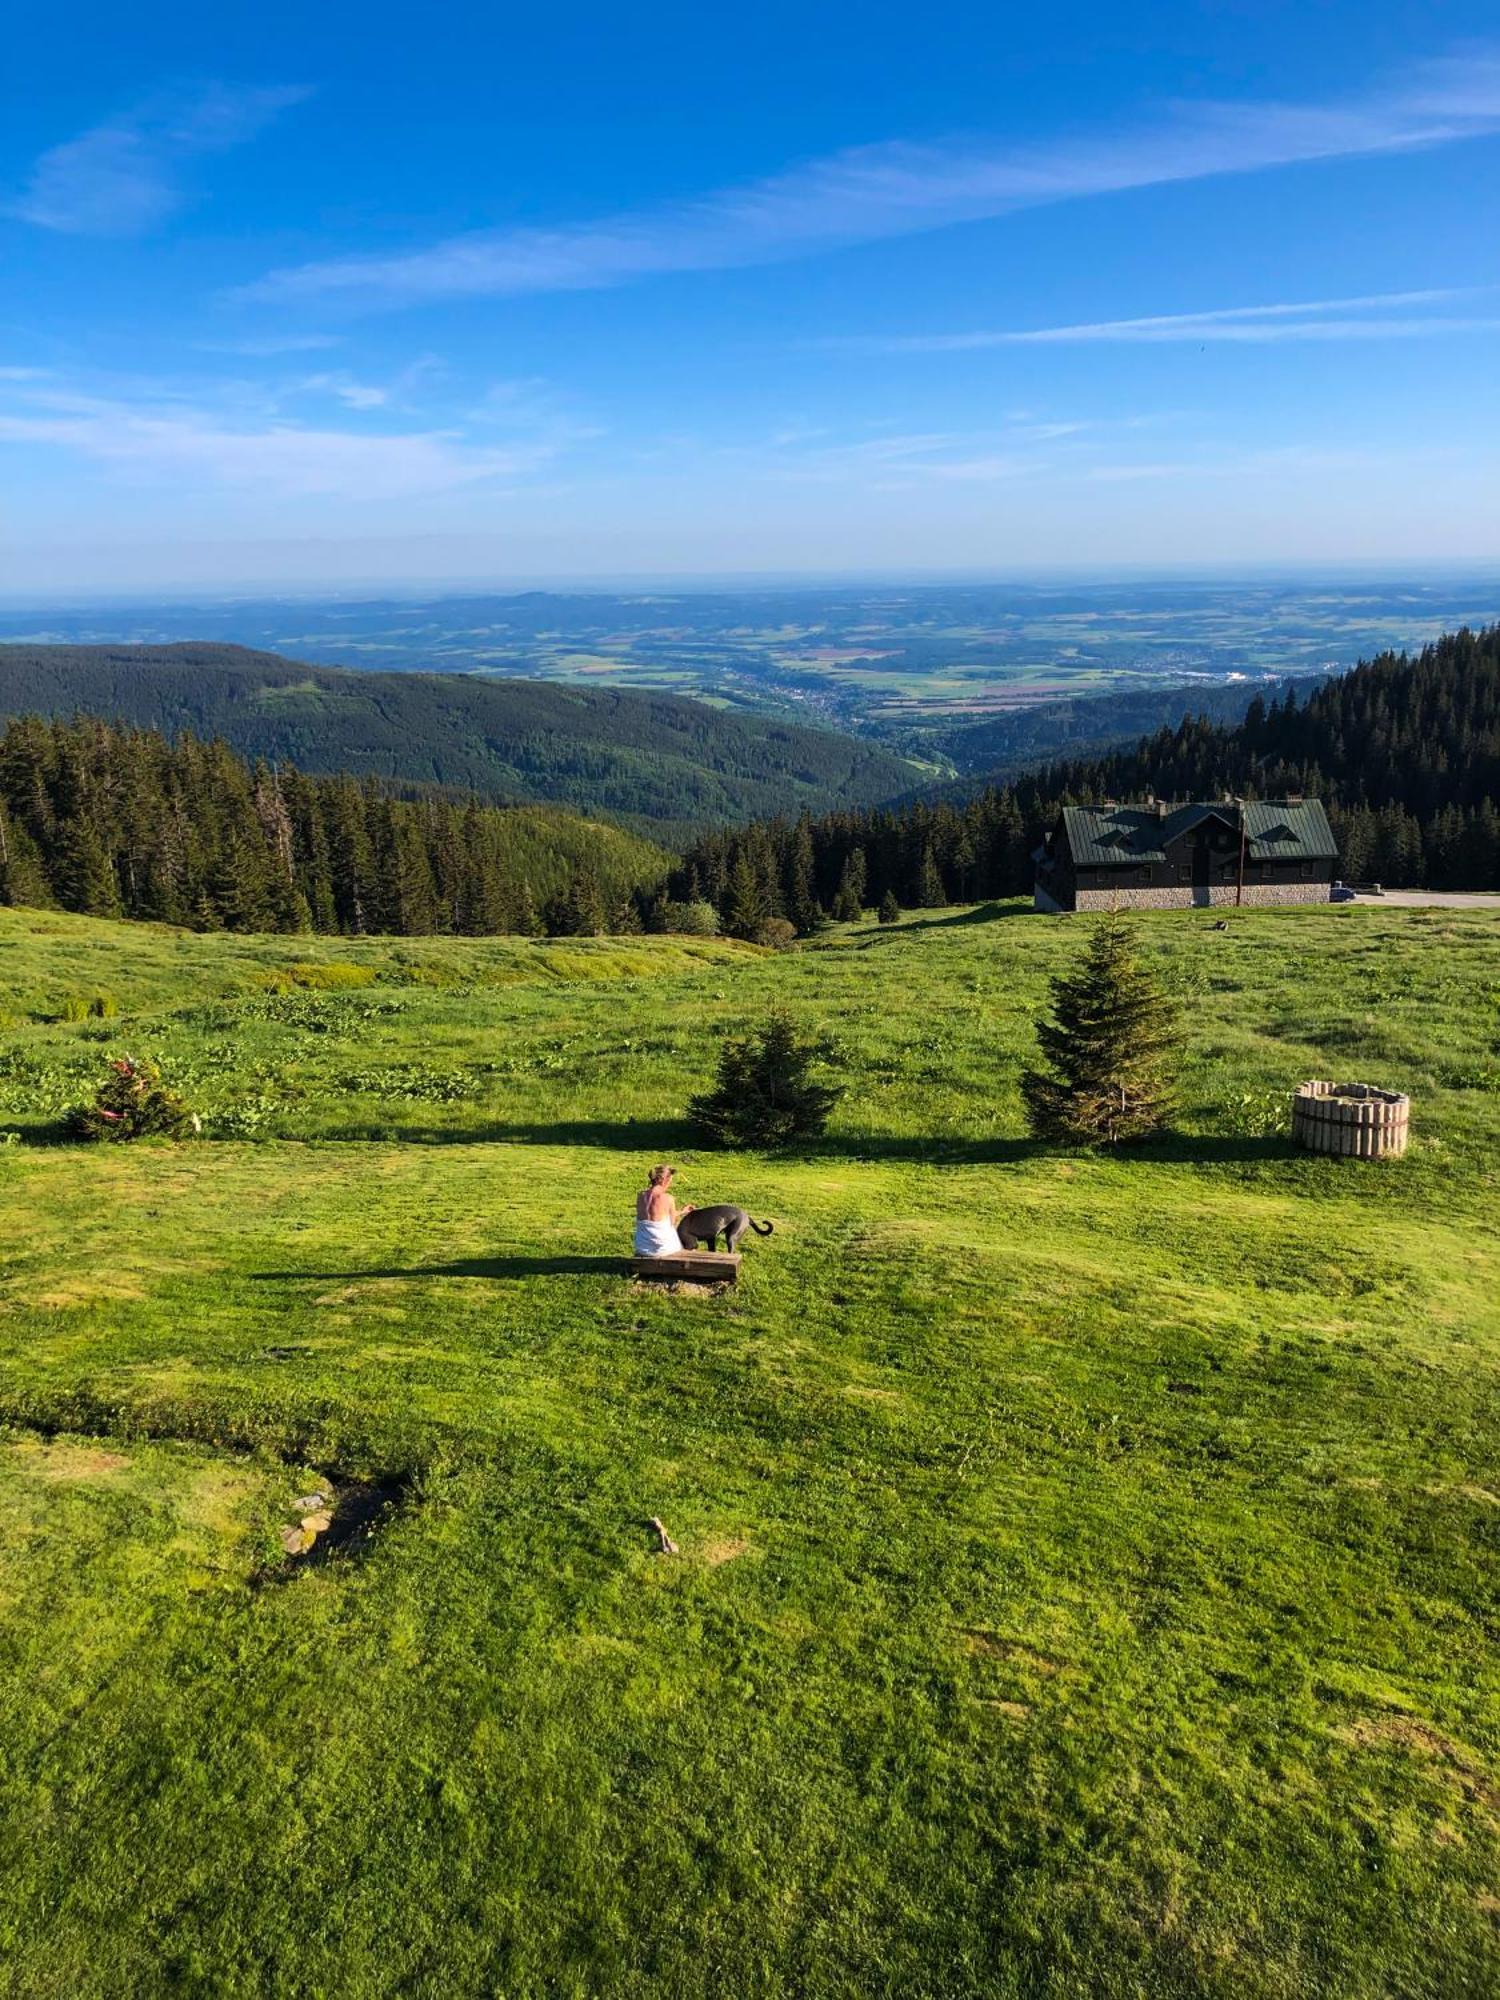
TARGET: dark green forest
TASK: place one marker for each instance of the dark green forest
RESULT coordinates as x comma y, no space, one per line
1404,751
666,765
1089,725
116,822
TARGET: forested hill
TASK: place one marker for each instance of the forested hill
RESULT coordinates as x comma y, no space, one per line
1021,739
667,765
116,822
1404,751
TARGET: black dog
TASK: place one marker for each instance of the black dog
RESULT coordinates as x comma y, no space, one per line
701,1228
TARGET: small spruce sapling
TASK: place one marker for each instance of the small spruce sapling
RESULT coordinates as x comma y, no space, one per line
768,1092
1110,1048
133,1103
890,909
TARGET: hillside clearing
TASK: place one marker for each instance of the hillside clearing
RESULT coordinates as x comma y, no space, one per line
1088,1573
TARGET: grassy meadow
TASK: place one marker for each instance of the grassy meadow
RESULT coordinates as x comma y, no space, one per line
1088,1566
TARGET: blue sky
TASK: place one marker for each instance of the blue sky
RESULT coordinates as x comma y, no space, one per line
303,296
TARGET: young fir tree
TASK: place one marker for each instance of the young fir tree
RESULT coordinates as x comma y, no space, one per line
802,906
1110,1047
746,904
890,909
768,1093
526,920
930,892
849,899
579,911
133,1103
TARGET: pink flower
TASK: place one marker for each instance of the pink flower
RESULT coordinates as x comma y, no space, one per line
114,1117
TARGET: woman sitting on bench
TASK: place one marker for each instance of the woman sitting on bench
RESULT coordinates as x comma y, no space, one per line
656,1216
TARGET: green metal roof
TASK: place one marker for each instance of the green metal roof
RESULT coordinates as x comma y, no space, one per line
1121,836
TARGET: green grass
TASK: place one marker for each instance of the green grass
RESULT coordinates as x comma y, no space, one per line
1089,1566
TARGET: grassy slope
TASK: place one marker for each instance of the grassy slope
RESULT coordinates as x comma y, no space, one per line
662,762
1089,1566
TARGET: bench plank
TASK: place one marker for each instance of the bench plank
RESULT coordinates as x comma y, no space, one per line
714,1266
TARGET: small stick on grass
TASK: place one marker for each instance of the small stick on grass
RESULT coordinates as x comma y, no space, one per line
665,1545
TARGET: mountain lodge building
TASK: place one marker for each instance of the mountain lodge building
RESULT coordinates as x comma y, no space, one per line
1156,856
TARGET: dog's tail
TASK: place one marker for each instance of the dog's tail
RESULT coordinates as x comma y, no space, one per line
761,1228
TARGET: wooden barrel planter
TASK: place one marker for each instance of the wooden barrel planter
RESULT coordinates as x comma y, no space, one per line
1354,1120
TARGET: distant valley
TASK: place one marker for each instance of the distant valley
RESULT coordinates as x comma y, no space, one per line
657,763
911,666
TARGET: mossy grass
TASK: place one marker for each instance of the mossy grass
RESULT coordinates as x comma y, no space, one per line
1089,1563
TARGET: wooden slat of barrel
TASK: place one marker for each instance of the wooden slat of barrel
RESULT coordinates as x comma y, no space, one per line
1350,1120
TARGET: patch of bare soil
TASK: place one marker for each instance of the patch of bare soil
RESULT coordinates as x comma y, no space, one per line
1405,1732
58,1460
724,1549
989,1645
681,1287
1016,1710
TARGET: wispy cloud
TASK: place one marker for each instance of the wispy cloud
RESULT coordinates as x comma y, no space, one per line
274,344
345,389
880,191
156,439
1373,316
898,461
123,177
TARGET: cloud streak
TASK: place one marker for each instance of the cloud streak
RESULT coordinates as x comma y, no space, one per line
124,177
164,441
875,192
1312,319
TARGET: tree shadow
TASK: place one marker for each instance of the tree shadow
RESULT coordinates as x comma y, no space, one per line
494,1268
676,1138
661,1137
982,913
1212,1149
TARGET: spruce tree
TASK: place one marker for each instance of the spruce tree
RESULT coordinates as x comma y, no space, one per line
890,909
767,1092
527,922
86,874
746,905
802,906
930,892
579,911
133,1103
849,902
1109,1047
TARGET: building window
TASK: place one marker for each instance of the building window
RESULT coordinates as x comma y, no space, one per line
1184,871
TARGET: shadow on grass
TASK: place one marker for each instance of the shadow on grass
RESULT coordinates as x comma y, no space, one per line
669,1138
982,913
493,1268
661,1137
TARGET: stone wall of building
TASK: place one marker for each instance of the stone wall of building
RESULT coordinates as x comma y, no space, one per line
1219,896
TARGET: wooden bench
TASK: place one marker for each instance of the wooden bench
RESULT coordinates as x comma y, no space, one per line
704,1267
